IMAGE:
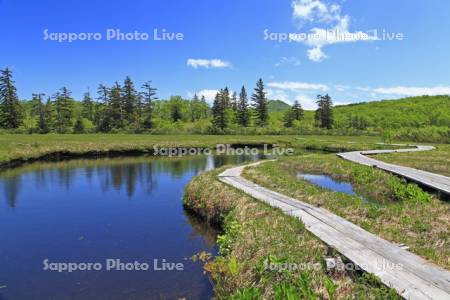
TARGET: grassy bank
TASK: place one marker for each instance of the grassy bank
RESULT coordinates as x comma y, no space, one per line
16,148
256,237
28,147
396,211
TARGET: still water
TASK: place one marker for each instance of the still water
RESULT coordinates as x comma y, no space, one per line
327,182
89,211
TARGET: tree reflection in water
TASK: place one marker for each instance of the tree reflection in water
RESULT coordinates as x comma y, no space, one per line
121,174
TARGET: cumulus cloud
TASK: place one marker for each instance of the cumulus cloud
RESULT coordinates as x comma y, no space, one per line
297,86
413,91
338,31
207,63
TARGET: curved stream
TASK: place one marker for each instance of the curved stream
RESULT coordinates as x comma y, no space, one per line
100,211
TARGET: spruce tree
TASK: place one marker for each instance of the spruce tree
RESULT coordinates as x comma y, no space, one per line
234,101
64,110
10,109
87,104
130,101
50,114
194,108
324,112
102,117
295,113
219,121
243,113
149,95
225,94
42,125
205,107
260,104
176,112
116,111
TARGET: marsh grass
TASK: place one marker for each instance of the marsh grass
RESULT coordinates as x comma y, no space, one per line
17,148
255,234
436,161
397,211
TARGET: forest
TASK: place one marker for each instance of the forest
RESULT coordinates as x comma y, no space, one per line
127,107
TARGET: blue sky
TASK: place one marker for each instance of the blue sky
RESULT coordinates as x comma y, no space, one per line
224,44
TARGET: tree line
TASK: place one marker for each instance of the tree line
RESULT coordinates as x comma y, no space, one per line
123,107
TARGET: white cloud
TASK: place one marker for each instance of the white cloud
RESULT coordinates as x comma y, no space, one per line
207,63
275,94
314,10
316,54
318,12
413,91
306,102
297,86
293,61
209,95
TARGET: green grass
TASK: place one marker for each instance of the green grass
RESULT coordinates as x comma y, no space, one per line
256,236
27,147
436,161
15,146
399,212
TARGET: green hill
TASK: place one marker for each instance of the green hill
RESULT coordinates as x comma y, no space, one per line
278,105
422,118
413,112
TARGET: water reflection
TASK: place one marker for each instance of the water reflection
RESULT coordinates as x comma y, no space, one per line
121,174
329,183
88,210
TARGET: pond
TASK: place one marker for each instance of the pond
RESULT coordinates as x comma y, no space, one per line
121,215
327,182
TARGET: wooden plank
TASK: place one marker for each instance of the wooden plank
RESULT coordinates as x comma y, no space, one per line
409,274
435,181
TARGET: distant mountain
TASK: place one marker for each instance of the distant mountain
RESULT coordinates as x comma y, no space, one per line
278,105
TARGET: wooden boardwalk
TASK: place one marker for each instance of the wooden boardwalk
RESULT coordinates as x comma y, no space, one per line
409,274
435,181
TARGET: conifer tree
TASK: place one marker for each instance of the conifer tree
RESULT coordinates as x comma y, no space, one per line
295,113
10,108
87,104
243,113
116,112
42,125
324,112
234,101
64,110
219,121
225,94
130,101
176,113
149,95
49,110
205,107
260,104
193,107
102,117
